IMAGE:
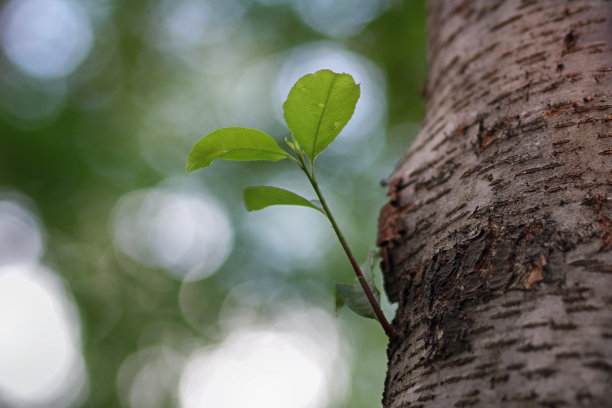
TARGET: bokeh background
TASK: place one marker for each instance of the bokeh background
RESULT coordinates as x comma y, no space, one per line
124,283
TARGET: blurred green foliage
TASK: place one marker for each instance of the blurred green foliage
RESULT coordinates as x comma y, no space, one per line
124,120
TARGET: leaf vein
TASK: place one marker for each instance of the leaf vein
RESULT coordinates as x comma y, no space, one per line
314,142
254,149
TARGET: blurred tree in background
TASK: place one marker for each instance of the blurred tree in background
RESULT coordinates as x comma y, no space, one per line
125,284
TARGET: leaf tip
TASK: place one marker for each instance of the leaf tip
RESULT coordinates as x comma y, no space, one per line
192,166
188,168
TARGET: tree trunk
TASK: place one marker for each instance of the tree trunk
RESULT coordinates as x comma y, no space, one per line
497,239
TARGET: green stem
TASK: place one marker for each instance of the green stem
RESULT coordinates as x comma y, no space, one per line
362,280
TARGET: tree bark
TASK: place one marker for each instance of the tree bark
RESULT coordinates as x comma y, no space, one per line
497,239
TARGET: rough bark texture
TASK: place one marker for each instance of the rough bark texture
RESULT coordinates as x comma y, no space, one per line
497,239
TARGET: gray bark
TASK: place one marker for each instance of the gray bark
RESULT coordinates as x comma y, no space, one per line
497,239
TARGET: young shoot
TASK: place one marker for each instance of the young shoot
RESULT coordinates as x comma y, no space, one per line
318,107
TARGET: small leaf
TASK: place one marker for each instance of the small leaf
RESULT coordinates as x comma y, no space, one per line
318,107
256,198
372,261
355,298
234,143
290,144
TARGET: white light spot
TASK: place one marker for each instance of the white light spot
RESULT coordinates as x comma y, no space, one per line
149,377
295,235
293,363
187,234
20,234
46,38
341,18
189,23
39,339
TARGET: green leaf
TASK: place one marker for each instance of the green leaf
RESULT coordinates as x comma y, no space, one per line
256,198
355,298
318,107
291,144
234,143
372,262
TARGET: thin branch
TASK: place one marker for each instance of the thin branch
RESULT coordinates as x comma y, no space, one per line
362,280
